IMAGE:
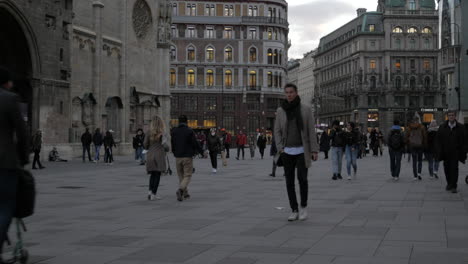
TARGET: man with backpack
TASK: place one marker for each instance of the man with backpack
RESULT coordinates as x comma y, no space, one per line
396,146
416,138
337,147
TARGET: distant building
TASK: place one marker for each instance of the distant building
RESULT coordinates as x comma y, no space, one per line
228,62
306,78
293,71
381,66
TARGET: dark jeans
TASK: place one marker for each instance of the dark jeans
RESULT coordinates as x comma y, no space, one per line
37,159
395,162
154,181
239,148
262,152
326,154
227,146
273,171
291,162
108,157
87,148
214,159
451,172
417,155
8,182
433,163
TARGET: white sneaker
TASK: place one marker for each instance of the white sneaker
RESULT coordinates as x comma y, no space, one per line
303,214
152,197
157,197
293,217
349,177
214,170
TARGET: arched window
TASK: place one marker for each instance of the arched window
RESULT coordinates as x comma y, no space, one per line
398,83
191,53
253,54
270,34
412,5
270,79
373,83
427,83
228,54
397,30
209,78
255,11
413,83
275,57
210,54
427,30
270,56
280,80
173,53
412,44
253,79
172,78
190,77
412,30
228,78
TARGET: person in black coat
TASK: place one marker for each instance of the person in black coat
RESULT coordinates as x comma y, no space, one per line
273,152
86,140
325,143
451,148
109,143
14,151
213,142
97,141
138,146
261,144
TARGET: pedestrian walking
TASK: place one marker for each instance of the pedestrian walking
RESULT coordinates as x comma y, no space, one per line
430,153
36,143
97,141
214,148
396,148
297,143
138,141
109,143
184,146
451,148
380,140
338,144
252,147
241,141
86,140
273,152
363,150
157,145
416,138
325,143
14,152
374,142
227,139
261,144
352,137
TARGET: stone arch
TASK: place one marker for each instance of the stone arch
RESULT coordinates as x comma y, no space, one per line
114,108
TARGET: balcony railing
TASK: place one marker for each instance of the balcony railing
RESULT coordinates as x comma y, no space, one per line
265,20
254,88
412,12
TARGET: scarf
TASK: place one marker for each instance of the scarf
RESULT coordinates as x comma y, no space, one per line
293,110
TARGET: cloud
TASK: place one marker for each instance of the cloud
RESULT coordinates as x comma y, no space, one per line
310,21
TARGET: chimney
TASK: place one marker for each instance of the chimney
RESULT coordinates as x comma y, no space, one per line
361,11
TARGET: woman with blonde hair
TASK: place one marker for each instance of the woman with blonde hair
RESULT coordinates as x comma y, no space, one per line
156,143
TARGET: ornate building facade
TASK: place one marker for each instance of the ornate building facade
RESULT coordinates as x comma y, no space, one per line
381,66
228,62
88,64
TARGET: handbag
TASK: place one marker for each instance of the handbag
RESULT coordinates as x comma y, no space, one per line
278,160
25,195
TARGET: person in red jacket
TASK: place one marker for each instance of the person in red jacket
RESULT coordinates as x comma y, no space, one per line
241,141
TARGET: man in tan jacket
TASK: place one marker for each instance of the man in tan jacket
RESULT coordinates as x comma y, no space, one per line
297,145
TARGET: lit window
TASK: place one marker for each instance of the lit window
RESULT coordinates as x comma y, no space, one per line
397,30
372,64
270,79
398,64
427,65
209,54
228,32
190,77
270,34
371,28
228,78
172,78
427,30
252,78
191,53
209,78
228,54
253,54
412,30
270,56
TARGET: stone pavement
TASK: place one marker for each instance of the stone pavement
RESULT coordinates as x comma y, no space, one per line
90,213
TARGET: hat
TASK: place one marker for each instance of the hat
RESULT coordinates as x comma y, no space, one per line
4,76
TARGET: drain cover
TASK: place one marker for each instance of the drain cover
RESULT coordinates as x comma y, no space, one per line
70,187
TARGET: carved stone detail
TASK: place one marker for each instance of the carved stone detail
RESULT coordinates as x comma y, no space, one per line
142,19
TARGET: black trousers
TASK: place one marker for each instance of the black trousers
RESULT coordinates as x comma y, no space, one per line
291,163
36,159
262,152
239,148
326,154
214,159
227,146
155,178
451,172
87,149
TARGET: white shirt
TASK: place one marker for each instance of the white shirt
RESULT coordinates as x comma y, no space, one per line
294,150
452,125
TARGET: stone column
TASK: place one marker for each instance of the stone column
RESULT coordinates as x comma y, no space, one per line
124,93
97,66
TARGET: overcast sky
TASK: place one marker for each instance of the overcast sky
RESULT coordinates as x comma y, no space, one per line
312,19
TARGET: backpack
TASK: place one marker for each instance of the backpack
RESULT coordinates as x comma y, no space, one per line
416,138
395,141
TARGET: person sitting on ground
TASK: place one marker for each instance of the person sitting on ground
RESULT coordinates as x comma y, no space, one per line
54,156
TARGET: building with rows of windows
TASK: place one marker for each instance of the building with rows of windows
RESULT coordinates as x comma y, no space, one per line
381,66
228,62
